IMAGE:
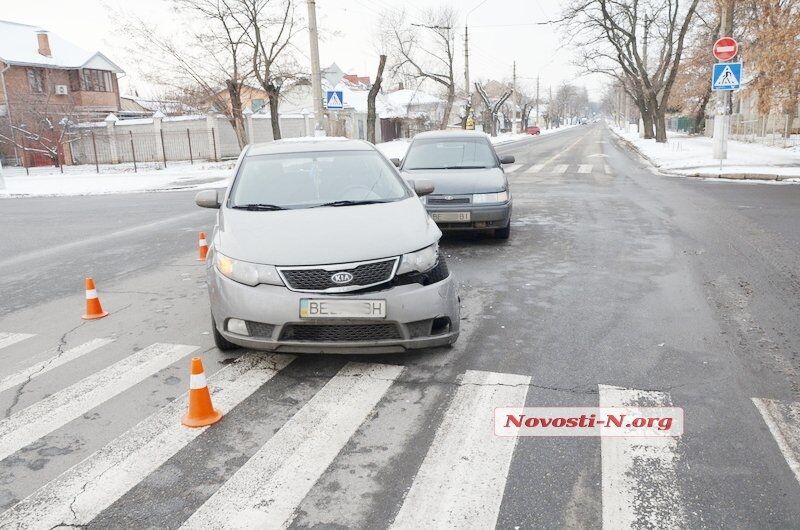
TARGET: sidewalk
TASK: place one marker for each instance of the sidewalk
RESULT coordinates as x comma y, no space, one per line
119,178
692,156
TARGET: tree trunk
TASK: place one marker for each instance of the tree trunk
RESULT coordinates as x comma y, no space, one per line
647,120
237,118
660,122
274,118
451,96
373,93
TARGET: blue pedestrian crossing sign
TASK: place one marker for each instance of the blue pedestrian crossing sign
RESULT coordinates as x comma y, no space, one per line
726,76
334,99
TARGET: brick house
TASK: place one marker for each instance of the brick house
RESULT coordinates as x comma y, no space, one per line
44,79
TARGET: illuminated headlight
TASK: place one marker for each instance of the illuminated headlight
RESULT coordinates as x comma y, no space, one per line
245,272
419,261
480,198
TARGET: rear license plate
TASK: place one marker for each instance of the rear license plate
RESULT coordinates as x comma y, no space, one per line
451,217
317,308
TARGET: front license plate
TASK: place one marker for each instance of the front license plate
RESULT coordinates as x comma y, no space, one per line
451,217
318,308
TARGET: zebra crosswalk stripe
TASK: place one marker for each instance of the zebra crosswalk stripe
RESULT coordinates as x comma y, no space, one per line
534,169
782,420
633,495
462,478
7,339
585,168
561,168
55,411
55,361
84,491
512,168
266,490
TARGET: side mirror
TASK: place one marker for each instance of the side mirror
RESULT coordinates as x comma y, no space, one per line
424,187
207,199
507,159
395,161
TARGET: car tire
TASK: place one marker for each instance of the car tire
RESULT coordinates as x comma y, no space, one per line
503,233
221,342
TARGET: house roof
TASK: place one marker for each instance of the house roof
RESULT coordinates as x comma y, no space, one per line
19,45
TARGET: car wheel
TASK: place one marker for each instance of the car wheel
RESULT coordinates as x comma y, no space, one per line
221,342
503,233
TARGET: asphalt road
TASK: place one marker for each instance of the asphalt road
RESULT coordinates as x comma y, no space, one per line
617,284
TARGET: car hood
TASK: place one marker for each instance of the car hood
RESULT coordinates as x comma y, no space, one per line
319,236
461,181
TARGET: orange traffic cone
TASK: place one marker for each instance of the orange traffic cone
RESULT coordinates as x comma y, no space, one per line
203,247
201,411
93,308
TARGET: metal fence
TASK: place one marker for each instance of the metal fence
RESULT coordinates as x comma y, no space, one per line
777,130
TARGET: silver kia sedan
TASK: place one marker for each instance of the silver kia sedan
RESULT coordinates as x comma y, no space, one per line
320,246
471,187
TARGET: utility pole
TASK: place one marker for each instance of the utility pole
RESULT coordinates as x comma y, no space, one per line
515,100
722,118
316,74
466,61
537,100
549,105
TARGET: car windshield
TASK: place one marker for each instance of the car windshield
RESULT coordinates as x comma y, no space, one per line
314,179
449,153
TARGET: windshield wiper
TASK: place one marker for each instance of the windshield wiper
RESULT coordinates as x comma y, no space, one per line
259,207
449,167
347,203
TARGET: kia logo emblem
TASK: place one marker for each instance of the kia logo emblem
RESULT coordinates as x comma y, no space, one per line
342,278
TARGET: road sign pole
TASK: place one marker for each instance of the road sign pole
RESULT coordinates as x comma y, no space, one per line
724,99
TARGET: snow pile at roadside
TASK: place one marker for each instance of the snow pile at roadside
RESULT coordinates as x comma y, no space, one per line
83,180
395,148
692,155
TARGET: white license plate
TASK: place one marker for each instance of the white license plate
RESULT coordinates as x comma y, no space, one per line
318,308
451,217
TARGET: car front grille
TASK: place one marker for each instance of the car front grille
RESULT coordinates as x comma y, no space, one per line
339,332
319,279
442,199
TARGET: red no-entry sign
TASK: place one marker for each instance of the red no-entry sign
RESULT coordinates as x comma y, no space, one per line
725,48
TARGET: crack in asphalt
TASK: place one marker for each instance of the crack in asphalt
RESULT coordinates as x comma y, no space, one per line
59,351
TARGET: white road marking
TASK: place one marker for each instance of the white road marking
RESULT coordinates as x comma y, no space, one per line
512,168
81,493
607,169
585,168
461,481
534,169
783,420
7,339
561,168
49,364
267,489
639,474
55,411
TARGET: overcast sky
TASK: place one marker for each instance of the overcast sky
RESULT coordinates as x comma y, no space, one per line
501,31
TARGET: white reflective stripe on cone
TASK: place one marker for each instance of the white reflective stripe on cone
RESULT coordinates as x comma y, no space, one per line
197,381
91,293
203,243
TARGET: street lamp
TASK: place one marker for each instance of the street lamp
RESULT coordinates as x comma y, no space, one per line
466,47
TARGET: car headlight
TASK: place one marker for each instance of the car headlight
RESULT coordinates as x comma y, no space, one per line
419,261
480,198
424,199
245,272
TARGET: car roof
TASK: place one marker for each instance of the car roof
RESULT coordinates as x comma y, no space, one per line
460,133
308,144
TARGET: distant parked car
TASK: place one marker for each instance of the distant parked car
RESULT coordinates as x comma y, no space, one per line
533,129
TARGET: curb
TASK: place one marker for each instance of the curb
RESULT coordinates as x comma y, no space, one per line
731,176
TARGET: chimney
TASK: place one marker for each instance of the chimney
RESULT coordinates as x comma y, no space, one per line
44,43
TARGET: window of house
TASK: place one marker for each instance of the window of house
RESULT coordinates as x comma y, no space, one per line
96,80
36,80
74,80
257,105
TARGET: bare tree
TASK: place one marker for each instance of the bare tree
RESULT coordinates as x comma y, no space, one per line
637,42
41,127
270,26
210,59
427,51
373,93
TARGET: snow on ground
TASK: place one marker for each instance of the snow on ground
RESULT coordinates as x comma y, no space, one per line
692,155
118,178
